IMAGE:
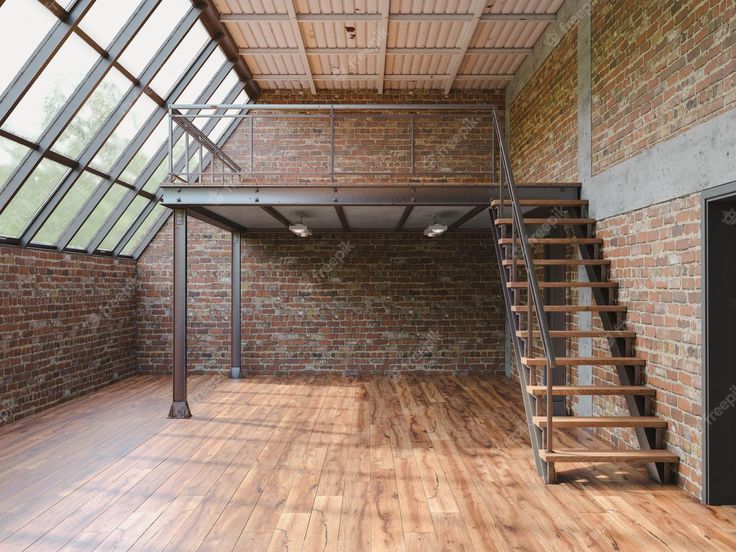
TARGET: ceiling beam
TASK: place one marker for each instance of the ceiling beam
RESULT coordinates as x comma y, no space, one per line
404,216
382,40
343,219
404,78
210,18
466,36
297,31
395,17
389,51
276,215
475,211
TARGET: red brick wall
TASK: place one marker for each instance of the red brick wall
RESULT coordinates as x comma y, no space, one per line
659,68
395,302
450,148
68,327
544,125
656,259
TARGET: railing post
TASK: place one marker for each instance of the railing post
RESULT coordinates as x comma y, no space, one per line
534,295
171,146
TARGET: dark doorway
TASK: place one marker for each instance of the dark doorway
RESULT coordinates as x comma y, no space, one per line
720,349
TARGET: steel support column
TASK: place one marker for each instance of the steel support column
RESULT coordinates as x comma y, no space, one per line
235,307
179,406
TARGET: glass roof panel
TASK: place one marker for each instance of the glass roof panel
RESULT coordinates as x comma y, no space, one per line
67,209
152,35
11,154
144,228
124,133
157,138
185,53
18,42
98,217
93,114
202,78
30,198
123,224
105,18
52,89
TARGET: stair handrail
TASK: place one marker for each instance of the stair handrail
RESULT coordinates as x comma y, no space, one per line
526,253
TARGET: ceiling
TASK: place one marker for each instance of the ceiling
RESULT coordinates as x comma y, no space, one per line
385,44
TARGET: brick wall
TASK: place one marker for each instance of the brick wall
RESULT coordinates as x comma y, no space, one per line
445,149
659,68
656,259
544,134
68,327
386,302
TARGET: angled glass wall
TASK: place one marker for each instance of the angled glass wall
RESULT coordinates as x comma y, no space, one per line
83,127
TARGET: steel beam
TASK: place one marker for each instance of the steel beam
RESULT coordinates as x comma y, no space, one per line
389,51
211,20
155,161
179,405
434,195
466,217
404,217
297,32
395,17
75,102
132,149
465,37
390,77
110,124
385,8
343,219
41,57
235,337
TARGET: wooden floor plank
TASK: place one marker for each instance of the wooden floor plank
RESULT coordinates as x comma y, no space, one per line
413,463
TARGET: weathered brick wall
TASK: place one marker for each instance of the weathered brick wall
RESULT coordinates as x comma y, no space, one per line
389,302
446,148
67,327
544,126
659,68
656,259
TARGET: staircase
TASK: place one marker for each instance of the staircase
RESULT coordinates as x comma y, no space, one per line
535,238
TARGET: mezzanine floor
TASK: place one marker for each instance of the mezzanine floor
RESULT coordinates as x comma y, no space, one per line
321,463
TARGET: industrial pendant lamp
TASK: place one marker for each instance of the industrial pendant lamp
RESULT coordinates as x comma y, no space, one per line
435,229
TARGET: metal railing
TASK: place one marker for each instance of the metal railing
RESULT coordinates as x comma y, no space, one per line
534,297
332,142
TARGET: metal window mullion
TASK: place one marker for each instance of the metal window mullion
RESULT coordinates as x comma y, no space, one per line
130,151
164,216
209,126
75,102
219,77
110,124
41,58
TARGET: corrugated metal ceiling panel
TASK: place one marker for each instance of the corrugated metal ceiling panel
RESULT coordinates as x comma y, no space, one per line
364,36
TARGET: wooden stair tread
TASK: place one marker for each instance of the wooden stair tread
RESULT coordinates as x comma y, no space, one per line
559,334
573,308
601,421
555,241
582,361
524,285
560,262
557,221
575,390
609,455
543,202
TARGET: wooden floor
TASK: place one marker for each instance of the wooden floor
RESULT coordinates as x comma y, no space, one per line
321,463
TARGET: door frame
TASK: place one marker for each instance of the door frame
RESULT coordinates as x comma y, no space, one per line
716,193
